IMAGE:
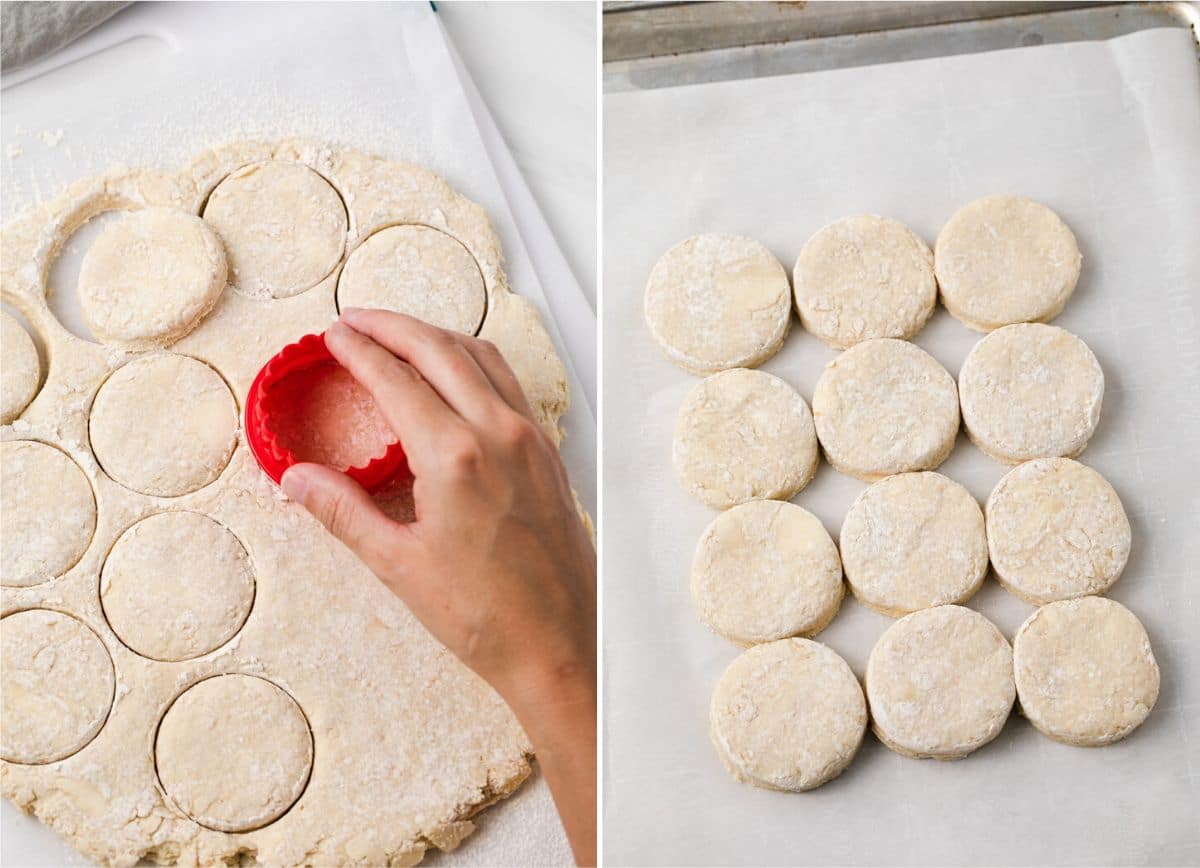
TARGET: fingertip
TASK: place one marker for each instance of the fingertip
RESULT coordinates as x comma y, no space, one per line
295,482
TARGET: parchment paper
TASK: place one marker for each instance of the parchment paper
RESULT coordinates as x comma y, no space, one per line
1108,134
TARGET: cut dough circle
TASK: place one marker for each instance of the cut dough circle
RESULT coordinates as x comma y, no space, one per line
940,683
788,715
766,570
862,278
284,227
1056,529
20,368
418,271
1006,259
58,685
163,425
744,435
176,585
1085,672
715,302
885,406
914,541
151,277
234,752
1031,391
49,512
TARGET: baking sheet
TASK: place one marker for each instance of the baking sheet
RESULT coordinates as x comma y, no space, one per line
1106,133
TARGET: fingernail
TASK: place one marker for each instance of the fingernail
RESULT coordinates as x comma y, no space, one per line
337,329
294,483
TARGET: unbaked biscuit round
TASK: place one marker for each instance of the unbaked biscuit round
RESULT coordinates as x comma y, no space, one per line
150,278
163,425
418,271
744,435
1030,391
940,683
914,541
1085,672
715,302
49,512
885,406
862,278
1056,529
766,570
787,715
1005,259
20,368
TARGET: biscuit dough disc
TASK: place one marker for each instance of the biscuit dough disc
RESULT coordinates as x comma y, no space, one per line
176,585
885,406
1056,529
20,368
1085,672
283,225
164,425
1005,259
49,512
914,541
765,570
744,435
57,684
234,752
788,715
718,301
150,277
1030,391
862,278
940,683
418,271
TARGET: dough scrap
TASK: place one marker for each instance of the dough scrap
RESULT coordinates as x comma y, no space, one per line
862,278
940,683
1085,672
766,570
20,368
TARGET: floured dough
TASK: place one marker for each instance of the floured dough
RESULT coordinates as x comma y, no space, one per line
283,225
1005,259
885,406
914,541
744,435
20,368
940,683
788,715
1056,529
1031,391
862,278
49,512
418,271
766,570
1085,672
718,301
163,424
150,277
176,585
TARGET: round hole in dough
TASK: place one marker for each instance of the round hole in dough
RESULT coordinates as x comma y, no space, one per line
1006,259
1056,529
49,512
176,585
419,271
283,225
163,425
234,752
766,570
885,406
20,368
862,278
151,277
718,301
1085,672
940,683
58,685
744,435
1030,391
788,715
914,541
